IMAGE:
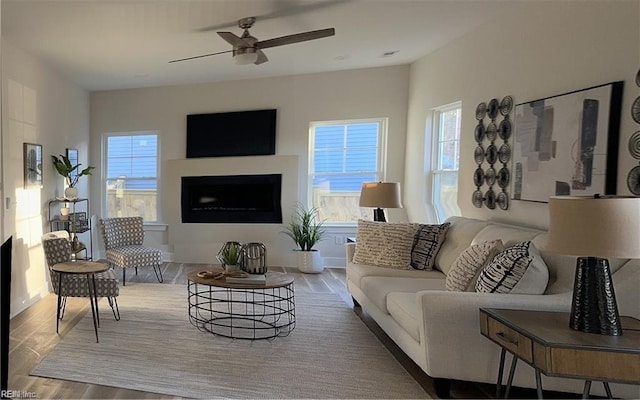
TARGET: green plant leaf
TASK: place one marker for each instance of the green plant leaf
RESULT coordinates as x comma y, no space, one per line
304,228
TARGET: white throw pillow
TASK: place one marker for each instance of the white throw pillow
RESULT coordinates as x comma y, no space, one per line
384,244
517,270
464,271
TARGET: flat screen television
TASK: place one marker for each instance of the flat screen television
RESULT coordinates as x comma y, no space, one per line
5,311
231,134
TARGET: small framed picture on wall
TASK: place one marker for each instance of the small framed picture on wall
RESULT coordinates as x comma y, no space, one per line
32,160
72,155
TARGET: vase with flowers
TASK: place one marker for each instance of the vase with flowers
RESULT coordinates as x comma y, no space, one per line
71,174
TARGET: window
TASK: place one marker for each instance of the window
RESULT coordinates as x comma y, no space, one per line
446,140
343,155
131,175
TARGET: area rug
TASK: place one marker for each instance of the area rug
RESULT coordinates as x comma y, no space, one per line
154,348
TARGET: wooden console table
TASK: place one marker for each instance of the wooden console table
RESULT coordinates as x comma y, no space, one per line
545,341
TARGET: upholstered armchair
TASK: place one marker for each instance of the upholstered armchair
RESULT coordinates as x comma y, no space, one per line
57,249
123,237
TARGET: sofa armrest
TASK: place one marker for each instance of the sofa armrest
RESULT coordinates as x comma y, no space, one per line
451,330
350,249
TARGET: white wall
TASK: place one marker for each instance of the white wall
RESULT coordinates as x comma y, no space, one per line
300,99
38,106
547,48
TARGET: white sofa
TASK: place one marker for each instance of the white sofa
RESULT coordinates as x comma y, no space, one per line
440,330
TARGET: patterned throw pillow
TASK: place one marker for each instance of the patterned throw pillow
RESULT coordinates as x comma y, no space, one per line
465,269
384,244
426,244
519,270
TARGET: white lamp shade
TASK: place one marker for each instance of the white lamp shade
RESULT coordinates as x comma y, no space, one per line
380,195
603,227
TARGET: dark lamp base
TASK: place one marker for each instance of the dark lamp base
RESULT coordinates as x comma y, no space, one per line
594,308
378,215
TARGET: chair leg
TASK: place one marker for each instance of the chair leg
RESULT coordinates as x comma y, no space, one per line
124,276
113,302
136,271
158,270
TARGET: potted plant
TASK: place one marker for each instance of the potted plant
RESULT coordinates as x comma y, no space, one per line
305,229
66,169
230,255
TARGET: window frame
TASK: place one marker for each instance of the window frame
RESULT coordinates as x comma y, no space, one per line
435,157
381,156
105,178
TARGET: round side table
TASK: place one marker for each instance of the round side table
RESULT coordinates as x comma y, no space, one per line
88,268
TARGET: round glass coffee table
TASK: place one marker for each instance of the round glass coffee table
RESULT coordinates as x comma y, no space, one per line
242,310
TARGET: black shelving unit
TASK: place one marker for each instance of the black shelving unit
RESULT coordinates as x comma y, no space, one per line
78,222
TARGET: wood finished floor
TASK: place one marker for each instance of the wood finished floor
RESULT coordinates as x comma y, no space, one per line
33,336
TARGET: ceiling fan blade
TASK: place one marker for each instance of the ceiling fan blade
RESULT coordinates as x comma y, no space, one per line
296,38
204,55
233,39
262,58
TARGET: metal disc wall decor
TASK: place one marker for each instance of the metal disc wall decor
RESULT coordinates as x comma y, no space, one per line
503,177
490,176
478,177
504,153
478,154
492,132
638,78
479,132
506,105
503,200
633,180
481,111
477,198
635,110
504,129
492,108
490,199
491,154
634,145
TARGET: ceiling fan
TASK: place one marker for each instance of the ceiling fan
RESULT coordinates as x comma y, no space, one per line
248,50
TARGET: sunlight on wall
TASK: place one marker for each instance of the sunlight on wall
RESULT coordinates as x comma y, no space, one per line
24,214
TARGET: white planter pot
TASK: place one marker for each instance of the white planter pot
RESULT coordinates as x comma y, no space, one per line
71,193
310,262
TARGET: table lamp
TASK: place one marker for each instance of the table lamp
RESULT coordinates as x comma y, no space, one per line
594,228
380,195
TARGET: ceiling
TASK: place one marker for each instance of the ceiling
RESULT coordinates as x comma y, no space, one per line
117,44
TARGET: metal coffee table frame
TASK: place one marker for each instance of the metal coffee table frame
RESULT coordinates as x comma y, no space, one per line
242,311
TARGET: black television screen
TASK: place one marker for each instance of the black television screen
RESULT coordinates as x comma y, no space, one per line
230,134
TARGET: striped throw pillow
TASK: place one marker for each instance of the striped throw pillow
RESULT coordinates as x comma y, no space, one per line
518,270
464,271
426,244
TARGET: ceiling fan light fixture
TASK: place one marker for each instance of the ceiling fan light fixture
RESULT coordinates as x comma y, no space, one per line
244,58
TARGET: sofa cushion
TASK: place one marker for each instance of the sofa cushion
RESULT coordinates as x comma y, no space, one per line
459,237
426,244
465,269
510,235
403,308
518,269
377,288
355,273
384,244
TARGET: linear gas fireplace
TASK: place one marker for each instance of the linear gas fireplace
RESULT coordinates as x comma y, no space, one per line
232,199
